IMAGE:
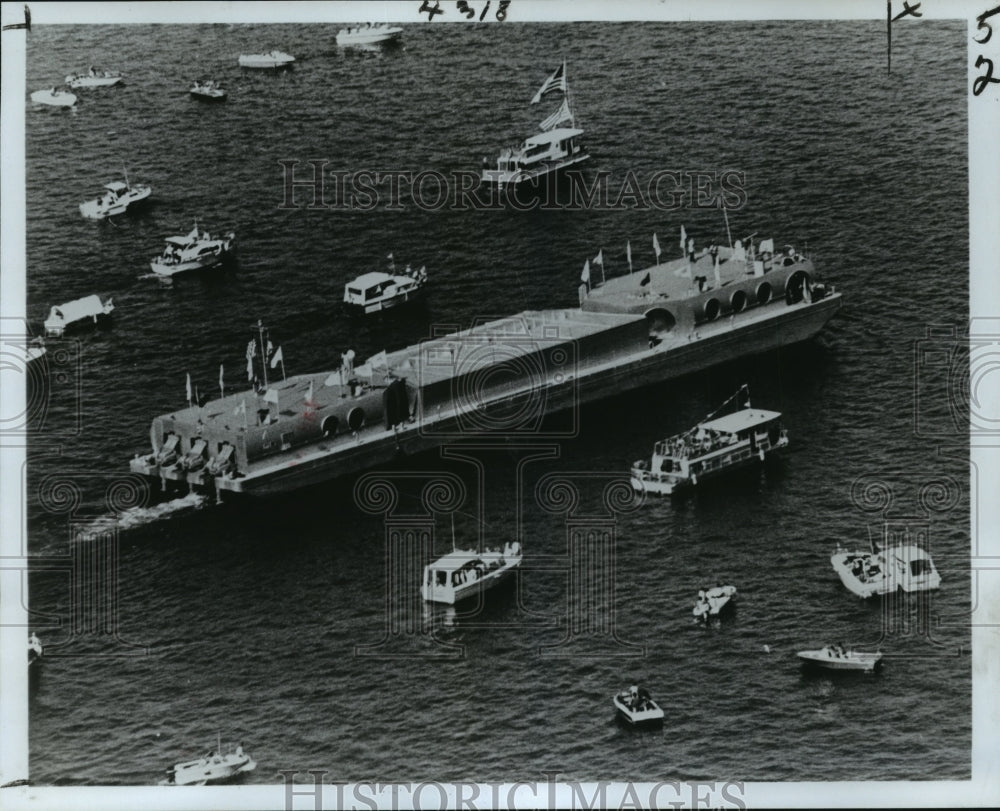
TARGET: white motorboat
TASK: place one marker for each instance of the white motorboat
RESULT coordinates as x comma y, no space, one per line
836,657
713,446
116,199
466,573
197,250
207,90
898,566
94,78
712,602
35,650
76,313
53,98
552,149
271,60
635,705
369,34
376,291
214,767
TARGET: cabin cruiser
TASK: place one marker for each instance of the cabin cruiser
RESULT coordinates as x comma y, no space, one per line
713,601
837,657
94,78
63,317
207,90
898,566
369,34
636,706
465,573
116,199
197,250
712,447
214,767
270,60
554,148
376,291
54,98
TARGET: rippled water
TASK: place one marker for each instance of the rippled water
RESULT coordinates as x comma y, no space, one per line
251,612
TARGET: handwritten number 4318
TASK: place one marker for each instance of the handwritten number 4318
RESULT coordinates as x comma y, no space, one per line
982,82
464,8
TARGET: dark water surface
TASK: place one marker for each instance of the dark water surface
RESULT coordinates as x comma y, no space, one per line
251,613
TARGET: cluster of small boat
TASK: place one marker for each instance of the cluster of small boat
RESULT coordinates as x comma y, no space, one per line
717,445
56,97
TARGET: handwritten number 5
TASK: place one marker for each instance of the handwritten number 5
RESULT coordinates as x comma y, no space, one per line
981,19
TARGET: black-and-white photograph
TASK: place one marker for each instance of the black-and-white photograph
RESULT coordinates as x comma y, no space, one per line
500,404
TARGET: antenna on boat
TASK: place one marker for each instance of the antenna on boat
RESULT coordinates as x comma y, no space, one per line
871,541
127,184
725,213
453,531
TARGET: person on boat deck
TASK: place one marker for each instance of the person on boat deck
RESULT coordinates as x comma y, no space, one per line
633,695
239,750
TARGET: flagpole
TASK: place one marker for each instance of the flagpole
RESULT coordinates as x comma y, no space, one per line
283,375
725,214
263,351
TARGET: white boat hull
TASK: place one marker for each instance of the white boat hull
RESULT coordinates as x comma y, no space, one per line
265,62
452,596
895,571
665,484
207,771
209,95
167,269
652,715
97,210
849,661
503,178
369,39
50,99
92,81
388,304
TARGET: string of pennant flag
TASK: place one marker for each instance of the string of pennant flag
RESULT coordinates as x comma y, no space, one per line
686,245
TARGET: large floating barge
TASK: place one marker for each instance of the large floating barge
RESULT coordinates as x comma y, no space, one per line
498,377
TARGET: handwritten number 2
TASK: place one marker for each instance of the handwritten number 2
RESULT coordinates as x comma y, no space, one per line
981,82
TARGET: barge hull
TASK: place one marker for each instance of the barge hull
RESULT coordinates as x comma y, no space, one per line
711,345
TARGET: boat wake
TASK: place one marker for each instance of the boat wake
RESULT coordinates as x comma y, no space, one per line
140,516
